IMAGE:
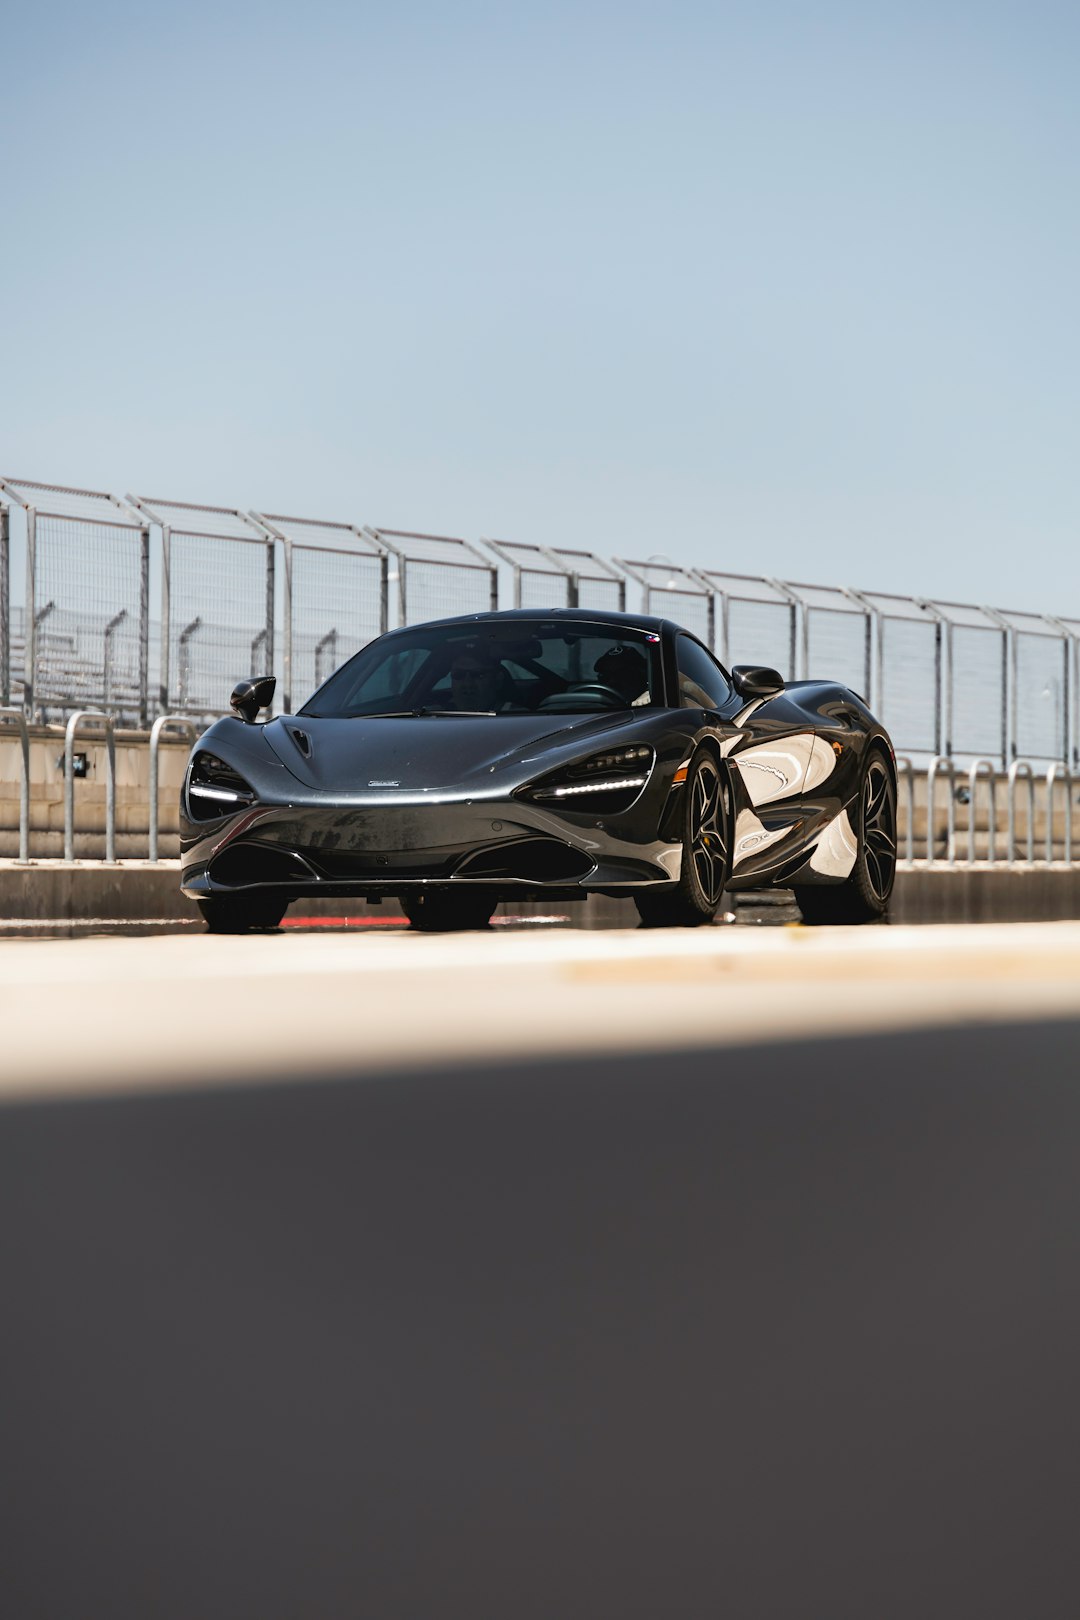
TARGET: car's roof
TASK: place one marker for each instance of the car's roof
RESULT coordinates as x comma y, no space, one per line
638,621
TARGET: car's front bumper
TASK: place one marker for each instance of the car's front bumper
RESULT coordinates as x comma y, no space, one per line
382,847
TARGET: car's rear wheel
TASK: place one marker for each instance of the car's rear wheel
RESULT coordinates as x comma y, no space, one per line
864,895
242,913
442,911
706,862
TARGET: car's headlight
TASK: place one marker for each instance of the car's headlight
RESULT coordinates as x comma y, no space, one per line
608,782
215,789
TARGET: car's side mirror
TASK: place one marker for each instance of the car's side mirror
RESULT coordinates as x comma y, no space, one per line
248,697
756,680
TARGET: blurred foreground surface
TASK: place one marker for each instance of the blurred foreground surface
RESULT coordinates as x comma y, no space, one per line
195,1010
770,1329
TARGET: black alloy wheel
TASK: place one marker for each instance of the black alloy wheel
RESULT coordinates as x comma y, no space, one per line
444,911
242,913
864,895
706,862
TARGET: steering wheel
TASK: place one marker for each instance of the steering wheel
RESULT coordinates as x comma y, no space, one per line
585,693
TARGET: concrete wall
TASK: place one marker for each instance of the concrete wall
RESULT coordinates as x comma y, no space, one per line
135,891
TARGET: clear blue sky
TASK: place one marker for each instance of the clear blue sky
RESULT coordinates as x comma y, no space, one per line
777,287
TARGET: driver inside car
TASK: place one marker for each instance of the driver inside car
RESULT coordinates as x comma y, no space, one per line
479,683
626,671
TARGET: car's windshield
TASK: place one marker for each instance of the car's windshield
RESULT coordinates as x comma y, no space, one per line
496,667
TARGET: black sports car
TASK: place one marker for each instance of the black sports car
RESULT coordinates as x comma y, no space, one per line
525,755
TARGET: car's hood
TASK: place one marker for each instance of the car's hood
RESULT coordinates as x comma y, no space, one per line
434,753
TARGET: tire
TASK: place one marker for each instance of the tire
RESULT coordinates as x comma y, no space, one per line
242,913
706,842
438,911
864,895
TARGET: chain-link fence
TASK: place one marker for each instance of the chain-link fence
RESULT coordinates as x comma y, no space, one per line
595,582
438,575
1039,679
677,593
1070,628
334,602
757,622
85,624
217,602
907,669
947,678
540,579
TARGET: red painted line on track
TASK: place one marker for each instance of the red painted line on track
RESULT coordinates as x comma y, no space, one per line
401,922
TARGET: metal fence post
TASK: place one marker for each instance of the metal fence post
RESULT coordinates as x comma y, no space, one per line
269,643
166,625
144,624
29,623
69,782
24,785
287,629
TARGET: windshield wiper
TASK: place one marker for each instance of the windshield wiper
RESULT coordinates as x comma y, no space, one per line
415,714
474,712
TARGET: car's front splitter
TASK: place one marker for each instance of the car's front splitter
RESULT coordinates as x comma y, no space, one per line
360,849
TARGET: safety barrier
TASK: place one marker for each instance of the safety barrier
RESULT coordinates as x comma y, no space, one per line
16,716
947,678
71,729
164,722
217,601
975,818
940,844
86,620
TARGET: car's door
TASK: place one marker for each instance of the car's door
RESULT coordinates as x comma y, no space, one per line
768,745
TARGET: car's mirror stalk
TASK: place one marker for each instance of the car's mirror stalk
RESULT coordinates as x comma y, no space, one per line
248,697
756,680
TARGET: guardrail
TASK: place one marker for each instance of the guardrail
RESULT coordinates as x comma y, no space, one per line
72,728
165,722
19,718
947,817
936,846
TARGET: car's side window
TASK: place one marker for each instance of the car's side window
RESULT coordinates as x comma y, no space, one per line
702,683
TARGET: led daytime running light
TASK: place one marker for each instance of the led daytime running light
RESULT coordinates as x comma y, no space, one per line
609,786
200,790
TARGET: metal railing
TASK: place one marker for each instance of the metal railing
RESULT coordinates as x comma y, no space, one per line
1049,794
17,717
946,817
106,722
164,722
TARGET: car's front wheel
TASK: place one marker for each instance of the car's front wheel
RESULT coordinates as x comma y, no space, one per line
864,896
441,911
242,913
706,861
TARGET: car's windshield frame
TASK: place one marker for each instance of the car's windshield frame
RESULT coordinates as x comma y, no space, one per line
461,655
